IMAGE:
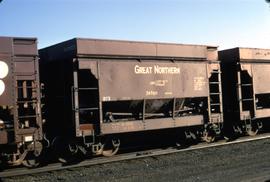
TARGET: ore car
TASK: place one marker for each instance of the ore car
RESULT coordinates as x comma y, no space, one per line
99,91
20,109
246,92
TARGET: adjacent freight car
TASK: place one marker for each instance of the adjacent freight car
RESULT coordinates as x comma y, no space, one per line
99,91
245,89
20,111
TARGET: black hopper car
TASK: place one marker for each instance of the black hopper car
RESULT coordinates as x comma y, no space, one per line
99,91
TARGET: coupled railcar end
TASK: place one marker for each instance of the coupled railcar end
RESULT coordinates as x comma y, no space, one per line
20,109
245,89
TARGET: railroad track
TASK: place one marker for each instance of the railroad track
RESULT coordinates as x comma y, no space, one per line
126,156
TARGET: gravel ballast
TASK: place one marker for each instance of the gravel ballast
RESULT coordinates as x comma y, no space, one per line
238,162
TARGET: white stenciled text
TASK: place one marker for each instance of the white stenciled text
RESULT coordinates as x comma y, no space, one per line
156,69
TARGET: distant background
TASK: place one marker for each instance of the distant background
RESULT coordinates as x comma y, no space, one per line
226,23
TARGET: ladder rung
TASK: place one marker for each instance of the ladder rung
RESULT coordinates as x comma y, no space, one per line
88,109
218,93
88,88
246,85
27,116
215,104
216,72
247,99
214,82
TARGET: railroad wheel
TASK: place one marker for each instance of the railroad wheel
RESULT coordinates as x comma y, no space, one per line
227,138
185,139
63,149
209,136
32,159
17,159
69,155
110,147
31,162
252,132
97,149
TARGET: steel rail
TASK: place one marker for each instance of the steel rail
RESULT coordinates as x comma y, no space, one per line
127,156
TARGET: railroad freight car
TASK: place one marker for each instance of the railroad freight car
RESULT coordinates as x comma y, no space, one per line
99,91
245,89
20,109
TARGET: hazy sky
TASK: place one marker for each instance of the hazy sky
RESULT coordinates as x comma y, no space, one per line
227,23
